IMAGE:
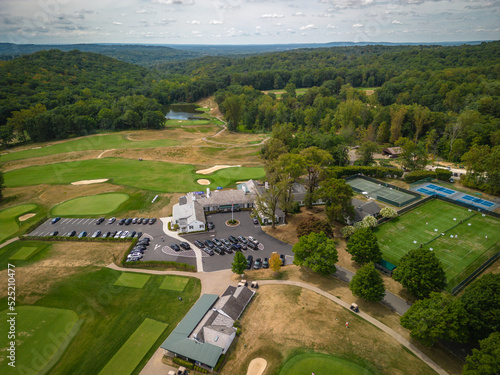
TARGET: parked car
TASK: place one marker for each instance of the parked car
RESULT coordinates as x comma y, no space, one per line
225,241
134,259
139,221
210,225
233,239
106,235
112,220
185,245
139,235
249,262
219,250
282,257
128,221
242,239
99,221
82,234
124,234
175,247
255,221
54,233
265,263
236,247
134,220
253,240
152,221
243,246
96,234
199,244
122,221
55,220
216,242
72,233
208,250
208,243
257,264
118,234
145,221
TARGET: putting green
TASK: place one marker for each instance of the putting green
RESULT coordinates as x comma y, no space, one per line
135,348
321,364
91,205
8,219
177,283
132,280
23,253
42,335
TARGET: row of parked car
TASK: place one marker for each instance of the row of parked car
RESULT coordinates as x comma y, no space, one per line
259,263
229,245
98,233
137,251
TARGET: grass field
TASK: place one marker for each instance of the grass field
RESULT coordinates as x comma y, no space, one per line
177,283
135,348
91,205
23,253
279,92
9,253
97,142
425,225
146,175
181,123
42,335
132,280
8,219
321,364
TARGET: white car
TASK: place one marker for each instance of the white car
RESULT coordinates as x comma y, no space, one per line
124,234
250,238
118,234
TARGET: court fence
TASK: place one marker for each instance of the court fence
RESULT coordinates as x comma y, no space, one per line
473,275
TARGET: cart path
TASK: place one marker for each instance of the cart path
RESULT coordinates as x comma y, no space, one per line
366,317
102,153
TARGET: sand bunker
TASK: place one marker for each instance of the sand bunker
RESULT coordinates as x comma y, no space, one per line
88,182
257,366
203,181
215,168
26,217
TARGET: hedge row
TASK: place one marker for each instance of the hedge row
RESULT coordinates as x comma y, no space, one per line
439,173
158,264
182,362
380,172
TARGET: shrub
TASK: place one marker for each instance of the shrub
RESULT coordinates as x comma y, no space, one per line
443,174
418,175
315,225
182,362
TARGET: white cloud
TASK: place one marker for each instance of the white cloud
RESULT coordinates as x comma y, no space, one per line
117,23
302,28
357,25
216,22
193,22
274,15
298,14
331,26
396,22
173,2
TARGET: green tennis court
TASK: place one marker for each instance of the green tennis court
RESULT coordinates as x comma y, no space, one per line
469,238
380,191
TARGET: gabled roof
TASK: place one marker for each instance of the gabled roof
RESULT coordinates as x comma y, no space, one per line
362,209
234,301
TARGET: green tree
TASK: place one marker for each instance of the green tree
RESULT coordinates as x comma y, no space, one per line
486,359
441,316
481,299
367,284
397,117
388,212
239,264
363,246
233,106
420,272
289,167
413,156
313,224
383,133
315,161
317,252
347,231
337,195
2,186
365,152
272,149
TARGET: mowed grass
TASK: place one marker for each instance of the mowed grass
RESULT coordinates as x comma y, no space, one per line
459,256
42,335
177,283
91,205
135,348
321,364
132,280
173,123
111,315
96,142
145,175
11,253
9,223
23,253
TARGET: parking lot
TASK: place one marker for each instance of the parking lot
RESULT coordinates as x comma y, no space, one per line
159,248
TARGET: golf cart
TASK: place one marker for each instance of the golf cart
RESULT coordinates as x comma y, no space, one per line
354,307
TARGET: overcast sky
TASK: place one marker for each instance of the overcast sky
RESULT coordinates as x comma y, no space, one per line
247,21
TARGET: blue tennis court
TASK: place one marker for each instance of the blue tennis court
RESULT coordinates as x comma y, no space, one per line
473,200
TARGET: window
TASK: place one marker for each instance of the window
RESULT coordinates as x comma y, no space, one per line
202,226
191,227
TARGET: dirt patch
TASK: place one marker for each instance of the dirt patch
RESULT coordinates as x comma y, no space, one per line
257,366
369,92
203,181
215,168
90,182
26,216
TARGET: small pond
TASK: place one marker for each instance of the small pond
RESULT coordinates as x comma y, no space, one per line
182,112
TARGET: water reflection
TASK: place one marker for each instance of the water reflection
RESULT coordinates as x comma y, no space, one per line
183,112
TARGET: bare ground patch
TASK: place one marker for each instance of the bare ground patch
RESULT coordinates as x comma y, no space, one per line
50,159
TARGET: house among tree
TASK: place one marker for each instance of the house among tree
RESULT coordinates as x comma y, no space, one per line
207,330
363,209
392,152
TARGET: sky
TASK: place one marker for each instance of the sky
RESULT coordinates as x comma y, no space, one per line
247,21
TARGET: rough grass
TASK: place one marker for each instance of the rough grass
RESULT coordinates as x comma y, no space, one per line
459,256
132,280
96,142
322,364
9,223
177,283
42,334
146,175
135,348
90,205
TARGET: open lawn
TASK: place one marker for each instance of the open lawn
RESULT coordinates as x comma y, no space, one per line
96,142
321,364
177,283
279,92
42,335
91,205
111,315
135,348
132,280
23,253
426,225
146,175
9,223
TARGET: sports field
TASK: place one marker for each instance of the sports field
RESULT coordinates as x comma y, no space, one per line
135,348
381,192
8,219
42,335
91,205
145,175
132,280
177,283
321,364
477,237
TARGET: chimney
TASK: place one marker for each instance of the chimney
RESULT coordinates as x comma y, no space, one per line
208,192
